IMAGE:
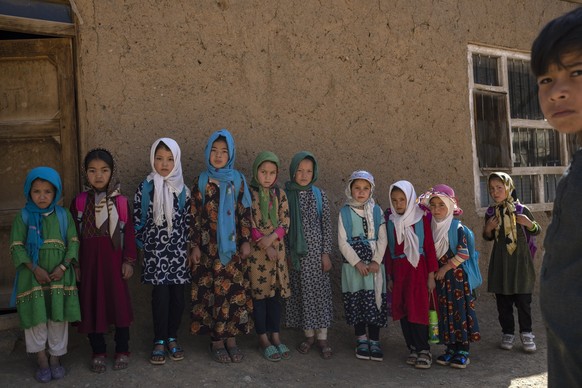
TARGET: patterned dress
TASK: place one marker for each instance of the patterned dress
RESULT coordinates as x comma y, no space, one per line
221,297
165,253
457,317
310,305
268,276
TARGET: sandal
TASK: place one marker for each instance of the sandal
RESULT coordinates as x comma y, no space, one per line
43,375
271,353
412,357
121,361
284,351
158,356
325,350
363,349
460,360
376,353
98,364
57,370
424,360
236,355
305,346
220,355
445,359
176,352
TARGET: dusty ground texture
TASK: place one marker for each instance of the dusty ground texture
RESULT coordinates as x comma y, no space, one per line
490,366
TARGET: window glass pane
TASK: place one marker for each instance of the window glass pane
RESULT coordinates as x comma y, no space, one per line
535,147
485,70
523,98
524,187
37,9
492,134
550,184
484,190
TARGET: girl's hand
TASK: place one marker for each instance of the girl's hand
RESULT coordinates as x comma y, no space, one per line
41,275
440,275
524,220
491,224
389,285
362,268
57,274
245,250
267,241
431,283
272,253
325,262
374,267
194,257
126,271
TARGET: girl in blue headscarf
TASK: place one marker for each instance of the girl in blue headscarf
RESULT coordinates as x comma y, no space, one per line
44,247
220,236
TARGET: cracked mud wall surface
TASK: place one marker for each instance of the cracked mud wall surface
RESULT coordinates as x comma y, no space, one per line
375,85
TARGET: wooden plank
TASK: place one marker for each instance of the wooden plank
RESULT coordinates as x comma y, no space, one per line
30,129
36,26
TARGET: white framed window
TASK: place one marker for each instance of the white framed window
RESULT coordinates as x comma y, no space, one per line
509,131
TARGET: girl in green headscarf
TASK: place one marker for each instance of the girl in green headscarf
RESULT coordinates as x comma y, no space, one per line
310,305
268,265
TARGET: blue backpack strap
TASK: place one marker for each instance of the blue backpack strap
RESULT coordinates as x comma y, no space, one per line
182,199
454,235
347,221
419,230
318,199
378,218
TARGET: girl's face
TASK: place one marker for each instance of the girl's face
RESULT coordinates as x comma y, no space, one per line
398,200
98,174
304,173
219,154
42,193
438,208
497,190
163,161
361,190
267,174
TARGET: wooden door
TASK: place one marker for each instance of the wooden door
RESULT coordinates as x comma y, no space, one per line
37,128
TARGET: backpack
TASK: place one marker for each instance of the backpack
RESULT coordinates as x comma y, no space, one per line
531,239
418,229
120,204
346,214
471,265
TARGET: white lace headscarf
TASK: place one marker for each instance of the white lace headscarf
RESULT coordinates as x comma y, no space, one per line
368,206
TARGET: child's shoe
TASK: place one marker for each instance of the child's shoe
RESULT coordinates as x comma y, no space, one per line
412,357
424,360
527,339
376,353
507,341
445,359
460,360
363,349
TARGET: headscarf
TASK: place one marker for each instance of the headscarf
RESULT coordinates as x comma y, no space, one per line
505,211
440,229
34,235
268,201
227,175
368,209
166,187
106,215
403,223
298,246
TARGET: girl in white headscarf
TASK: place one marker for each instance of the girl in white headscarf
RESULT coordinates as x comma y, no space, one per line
410,262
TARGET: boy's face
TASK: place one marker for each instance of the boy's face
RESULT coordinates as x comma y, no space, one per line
398,201
560,94
361,190
497,190
98,174
438,208
163,162
304,173
267,174
42,193
219,154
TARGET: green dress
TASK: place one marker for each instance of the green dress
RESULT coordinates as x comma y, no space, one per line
58,300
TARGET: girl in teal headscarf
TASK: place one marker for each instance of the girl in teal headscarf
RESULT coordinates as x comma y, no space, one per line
44,246
220,235
310,304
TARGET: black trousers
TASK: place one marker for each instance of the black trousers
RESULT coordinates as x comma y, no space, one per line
167,310
415,335
98,345
373,330
267,315
505,305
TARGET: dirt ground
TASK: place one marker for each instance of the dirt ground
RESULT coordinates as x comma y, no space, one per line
490,366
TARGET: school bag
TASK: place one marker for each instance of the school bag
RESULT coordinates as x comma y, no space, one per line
346,215
471,265
418,230
120,204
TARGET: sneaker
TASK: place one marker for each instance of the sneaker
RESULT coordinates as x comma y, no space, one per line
507,341
376,353
527,339
362,349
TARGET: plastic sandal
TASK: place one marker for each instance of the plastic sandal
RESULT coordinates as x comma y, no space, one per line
325,350
362,349
220,355
460,360
445,359
236,355
43,375
305,346
98,364
121,361
412,357
176,353
57,372
376,353
158,356
284,351
424,360
271,353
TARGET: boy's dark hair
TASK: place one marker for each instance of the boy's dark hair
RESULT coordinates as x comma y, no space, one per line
561,36
162,145
99,154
